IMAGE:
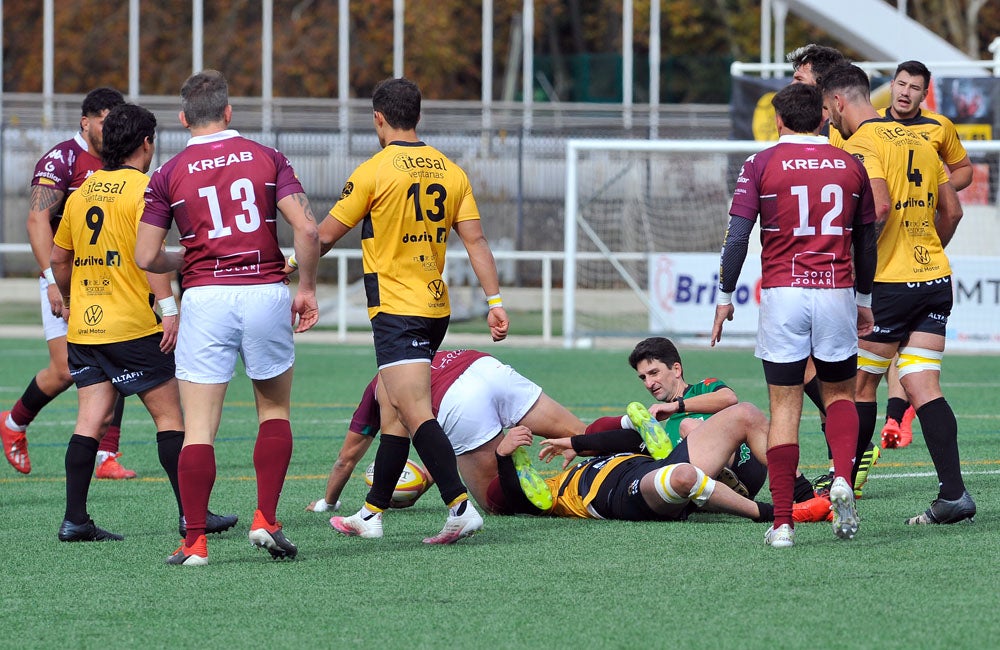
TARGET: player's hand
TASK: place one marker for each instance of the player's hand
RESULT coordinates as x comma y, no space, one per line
663,410
866,322
320,505
552,447
170,327
498,322
519,436
56,301
305,307
722,313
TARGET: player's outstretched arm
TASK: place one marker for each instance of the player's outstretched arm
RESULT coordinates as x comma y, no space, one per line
351,452
722,314
44,205
485,267
949,213
552,447
296,211
61,264
149,252
163,292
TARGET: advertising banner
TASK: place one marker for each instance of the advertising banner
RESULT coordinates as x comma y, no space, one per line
683,289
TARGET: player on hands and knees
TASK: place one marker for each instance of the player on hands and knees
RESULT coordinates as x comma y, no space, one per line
474,397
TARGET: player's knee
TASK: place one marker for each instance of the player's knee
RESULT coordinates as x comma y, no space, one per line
683,482
750,415
912,360
872,363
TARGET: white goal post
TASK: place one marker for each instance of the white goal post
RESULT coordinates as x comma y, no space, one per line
644,222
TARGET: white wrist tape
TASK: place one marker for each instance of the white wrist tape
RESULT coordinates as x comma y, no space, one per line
168,306
49,277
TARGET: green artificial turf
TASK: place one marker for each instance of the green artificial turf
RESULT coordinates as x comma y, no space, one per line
523,582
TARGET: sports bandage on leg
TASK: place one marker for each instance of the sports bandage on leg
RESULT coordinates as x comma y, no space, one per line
913,360
700,492
872,363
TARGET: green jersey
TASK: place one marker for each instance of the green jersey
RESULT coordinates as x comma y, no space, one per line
673,424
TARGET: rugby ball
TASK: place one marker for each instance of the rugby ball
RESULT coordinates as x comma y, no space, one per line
412,483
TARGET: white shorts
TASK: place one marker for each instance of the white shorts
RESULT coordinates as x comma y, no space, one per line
796,322
488,397
220,321
54,326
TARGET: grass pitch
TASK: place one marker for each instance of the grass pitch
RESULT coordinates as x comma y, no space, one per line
523,582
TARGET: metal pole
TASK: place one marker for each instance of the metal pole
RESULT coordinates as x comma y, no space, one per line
654,69
487,65
133,50
398,10
343,62
3,154
627,62
267,67
765,35
48,57
528,63
197,34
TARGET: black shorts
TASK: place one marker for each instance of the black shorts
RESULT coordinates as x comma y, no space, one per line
619,496
901,308
746,474
407,338
131,366
794,372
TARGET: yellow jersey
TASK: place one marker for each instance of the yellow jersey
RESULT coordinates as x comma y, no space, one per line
936,129
110,298
909,249
575,488
407,197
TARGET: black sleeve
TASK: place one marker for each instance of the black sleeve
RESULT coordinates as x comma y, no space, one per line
734,252
511,487
603,443
865,256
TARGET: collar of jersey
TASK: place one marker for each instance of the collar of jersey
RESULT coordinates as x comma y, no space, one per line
214,137
403,143
802,138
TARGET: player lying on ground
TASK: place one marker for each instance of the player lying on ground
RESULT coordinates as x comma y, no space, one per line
630,485
474,397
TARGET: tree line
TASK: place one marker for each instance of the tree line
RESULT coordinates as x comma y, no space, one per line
442,41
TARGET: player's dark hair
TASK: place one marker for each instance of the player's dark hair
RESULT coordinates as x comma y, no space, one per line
847,79
99,100
398,100
655,348
800,107
819,57
914,69
125,129
204,97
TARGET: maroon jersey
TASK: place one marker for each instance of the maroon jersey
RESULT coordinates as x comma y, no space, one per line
222,191
809,195
64,168
446,368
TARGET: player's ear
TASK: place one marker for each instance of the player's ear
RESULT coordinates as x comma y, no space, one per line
183,119
227,114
